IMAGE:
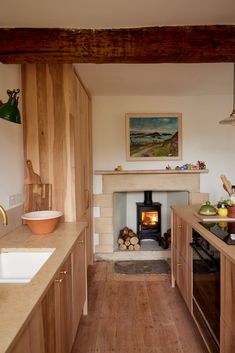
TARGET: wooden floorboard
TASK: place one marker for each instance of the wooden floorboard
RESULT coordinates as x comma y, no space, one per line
135,314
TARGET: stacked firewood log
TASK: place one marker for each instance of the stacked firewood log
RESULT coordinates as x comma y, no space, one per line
128,240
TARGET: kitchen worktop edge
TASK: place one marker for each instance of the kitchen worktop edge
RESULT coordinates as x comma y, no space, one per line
18,301
187,213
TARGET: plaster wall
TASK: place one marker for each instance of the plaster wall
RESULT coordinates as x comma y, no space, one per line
11,142
202,136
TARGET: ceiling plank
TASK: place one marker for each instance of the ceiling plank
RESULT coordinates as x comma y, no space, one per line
173,44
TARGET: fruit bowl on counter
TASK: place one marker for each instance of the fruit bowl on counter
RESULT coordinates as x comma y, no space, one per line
42,222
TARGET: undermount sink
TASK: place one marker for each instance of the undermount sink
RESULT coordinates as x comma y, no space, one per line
21,266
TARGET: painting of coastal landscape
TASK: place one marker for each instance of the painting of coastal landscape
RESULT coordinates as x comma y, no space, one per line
154,136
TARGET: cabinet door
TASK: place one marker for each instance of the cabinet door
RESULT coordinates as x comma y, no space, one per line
227,340
23,343
79,291
227,305
49,317
183,279
32,338
83,161
63,308
181,236
182,258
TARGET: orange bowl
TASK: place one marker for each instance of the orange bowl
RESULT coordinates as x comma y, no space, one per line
42,222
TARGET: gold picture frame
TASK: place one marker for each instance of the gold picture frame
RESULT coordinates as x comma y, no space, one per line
153,137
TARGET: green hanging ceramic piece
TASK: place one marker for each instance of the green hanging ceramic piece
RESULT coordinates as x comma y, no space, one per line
9,110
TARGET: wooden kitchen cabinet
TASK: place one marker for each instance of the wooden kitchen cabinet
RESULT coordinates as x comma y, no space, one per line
57,138
182,276
79,282
227,321
32,339
182,258
83,158
63,308
53,325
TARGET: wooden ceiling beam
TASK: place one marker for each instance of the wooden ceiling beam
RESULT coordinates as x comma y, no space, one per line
174,44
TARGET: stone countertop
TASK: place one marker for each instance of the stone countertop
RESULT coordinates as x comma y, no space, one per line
17,301
187,213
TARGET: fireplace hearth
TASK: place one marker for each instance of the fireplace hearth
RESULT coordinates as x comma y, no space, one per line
148,218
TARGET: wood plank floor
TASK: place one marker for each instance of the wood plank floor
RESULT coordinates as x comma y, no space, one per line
135,314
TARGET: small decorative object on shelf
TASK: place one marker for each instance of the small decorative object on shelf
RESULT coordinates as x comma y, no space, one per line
207,209
201,164
190,166
222,211
118,168
223,204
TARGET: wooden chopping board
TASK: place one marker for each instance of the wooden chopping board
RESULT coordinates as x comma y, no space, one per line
38,196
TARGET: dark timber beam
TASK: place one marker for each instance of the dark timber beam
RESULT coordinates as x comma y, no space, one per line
176,44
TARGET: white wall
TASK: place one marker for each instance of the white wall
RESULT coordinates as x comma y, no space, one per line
11,141
203,138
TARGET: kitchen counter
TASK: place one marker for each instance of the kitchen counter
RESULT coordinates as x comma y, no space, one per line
187,213
17,301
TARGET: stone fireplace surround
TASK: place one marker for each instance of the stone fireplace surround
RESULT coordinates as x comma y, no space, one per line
138,180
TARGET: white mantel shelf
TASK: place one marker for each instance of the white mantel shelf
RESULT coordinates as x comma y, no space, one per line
156,171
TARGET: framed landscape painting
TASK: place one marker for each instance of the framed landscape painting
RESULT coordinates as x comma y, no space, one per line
154,136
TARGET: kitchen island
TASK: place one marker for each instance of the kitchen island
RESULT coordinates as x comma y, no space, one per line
42,296
203,268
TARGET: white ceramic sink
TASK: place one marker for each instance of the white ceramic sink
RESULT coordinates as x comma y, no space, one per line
21,266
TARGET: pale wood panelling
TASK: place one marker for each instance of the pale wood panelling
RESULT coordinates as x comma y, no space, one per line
57,138
49,152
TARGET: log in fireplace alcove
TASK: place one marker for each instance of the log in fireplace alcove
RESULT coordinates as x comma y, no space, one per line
148,218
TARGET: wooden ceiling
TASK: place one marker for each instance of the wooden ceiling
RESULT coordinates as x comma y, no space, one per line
169,44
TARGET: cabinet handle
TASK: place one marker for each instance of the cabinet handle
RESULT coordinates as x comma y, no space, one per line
179,264
179,226
80,241
59,280
63,272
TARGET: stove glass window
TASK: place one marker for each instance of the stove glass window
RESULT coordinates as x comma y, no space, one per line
149,218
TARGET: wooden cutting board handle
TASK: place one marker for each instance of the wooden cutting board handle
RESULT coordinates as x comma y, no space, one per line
227,184
31,177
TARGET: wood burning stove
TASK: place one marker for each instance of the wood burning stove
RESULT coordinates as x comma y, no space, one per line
148,218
